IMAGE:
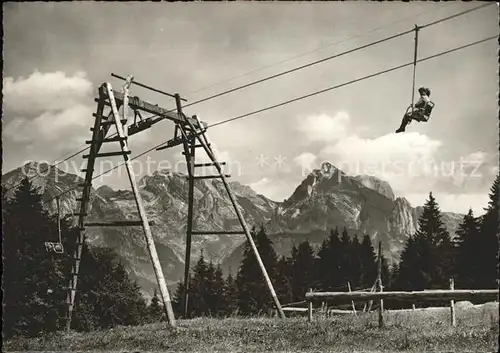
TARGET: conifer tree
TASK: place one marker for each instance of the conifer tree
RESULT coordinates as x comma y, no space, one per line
155,310
356,271
231,296
197,304
178,299
468,247
283,285
328,262
218,300
426,261
345,256
253,294
302,270
368,264
107,296
487,276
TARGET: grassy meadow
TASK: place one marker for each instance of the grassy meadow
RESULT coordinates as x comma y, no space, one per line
406,331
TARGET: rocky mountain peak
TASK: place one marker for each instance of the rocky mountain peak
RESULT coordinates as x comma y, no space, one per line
374,183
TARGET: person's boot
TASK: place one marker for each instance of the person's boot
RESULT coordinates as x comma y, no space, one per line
405,122
401,128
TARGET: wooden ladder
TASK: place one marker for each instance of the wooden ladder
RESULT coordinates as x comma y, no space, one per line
100,130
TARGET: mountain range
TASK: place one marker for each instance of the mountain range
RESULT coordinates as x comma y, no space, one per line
326,198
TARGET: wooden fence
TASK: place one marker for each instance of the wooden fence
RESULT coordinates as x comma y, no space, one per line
449,294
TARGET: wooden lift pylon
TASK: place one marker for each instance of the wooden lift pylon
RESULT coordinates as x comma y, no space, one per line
109,98
192,135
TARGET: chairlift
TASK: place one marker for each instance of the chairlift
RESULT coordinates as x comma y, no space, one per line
420,111
56,247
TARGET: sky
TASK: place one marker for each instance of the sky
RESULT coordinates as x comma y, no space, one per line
57,54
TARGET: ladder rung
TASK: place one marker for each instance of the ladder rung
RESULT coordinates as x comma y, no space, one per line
210,176
115,139
108,154
217,232
111,122
197,146
210,164
117,224
83,185
180,139
80,214
111,139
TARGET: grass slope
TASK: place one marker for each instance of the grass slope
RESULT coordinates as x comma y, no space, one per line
419,331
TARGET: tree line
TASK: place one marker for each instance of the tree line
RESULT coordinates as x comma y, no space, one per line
34,281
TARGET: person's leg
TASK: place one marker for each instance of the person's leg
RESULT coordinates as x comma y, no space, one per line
406,120
419,116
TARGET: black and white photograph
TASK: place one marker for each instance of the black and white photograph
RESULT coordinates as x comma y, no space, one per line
250,176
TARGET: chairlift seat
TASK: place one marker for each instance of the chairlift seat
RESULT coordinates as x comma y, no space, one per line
58,248
55,247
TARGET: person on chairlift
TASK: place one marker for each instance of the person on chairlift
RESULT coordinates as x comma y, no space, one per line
422,110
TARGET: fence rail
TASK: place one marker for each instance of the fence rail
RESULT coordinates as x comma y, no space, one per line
447,294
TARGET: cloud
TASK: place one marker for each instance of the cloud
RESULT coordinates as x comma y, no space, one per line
399,159
274,189
324,128
233,166
73,123
306,161
458,203
48,107
46,92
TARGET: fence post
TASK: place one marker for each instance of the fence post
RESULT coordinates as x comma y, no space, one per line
352,301
310,308
380,287
452,304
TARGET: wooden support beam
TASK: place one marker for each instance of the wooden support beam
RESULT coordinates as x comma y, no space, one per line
179,140
167,303
117,224
210,164
189,151
108,154
110,139
437,294
214,232
147,87
112,122
196,177
136,103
